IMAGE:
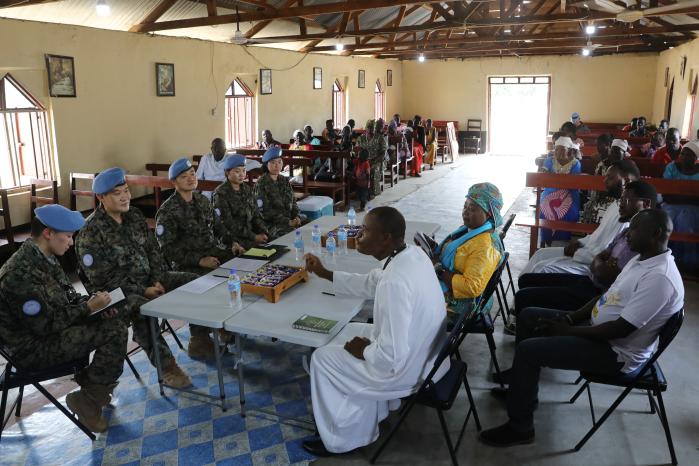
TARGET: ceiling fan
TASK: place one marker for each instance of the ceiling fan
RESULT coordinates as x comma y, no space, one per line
631,16
238,38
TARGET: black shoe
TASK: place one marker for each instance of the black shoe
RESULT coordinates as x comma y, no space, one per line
316,448
510,329
503,378
506,436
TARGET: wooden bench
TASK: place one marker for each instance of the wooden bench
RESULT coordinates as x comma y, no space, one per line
9,235
539,181
35,200
646,166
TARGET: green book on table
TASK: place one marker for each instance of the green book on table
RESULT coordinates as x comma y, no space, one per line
314,324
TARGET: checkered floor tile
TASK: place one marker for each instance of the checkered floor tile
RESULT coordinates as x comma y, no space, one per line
145,428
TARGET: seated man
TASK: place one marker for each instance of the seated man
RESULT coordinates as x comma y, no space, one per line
670,152
268,141
580,127
365,370
184,226
577,256
641,130
566,291
44,322
614,335
211,165
116,249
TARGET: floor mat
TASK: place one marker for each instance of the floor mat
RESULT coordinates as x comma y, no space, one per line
145,428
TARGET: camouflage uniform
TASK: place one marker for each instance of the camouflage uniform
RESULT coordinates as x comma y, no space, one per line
44,321
278,204
236,216
377,151
126,255
184,232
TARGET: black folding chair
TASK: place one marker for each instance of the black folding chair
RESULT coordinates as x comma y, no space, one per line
511,284
650,378
441,394
480,321
13,377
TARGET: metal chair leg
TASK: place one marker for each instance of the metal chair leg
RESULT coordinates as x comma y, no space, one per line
472,403
18,409
604,417
493,356
402,417
133,368
165,323
666,426
452,453
589,399
68,414
579,392
651,402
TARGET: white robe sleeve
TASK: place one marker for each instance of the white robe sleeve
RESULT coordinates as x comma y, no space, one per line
200,169
389,353
356,284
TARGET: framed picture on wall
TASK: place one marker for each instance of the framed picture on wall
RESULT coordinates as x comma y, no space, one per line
61,71
265,81
317,77
389,77
165,79
361,77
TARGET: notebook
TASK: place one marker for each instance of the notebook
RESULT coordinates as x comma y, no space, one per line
426,243
314,324
116,295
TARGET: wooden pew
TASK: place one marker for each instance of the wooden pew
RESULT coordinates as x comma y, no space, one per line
75,193
539,181
645,166
35,199
9,236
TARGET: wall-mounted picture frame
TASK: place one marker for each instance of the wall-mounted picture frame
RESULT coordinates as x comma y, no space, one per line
667,75
61,71
265,81
683,66
361,79
165,79
317,77
389,77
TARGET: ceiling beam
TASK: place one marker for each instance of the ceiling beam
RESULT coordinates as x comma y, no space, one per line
280,13
17,3
343,22
302,22
153,16
508,38
442,12
260,25
211,7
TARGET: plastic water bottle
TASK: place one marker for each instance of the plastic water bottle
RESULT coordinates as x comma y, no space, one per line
315,240
342,240
351,217
235,300
368,208
331,248
298,246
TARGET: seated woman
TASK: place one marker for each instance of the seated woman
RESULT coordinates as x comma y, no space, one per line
431,136
560,204
329,135
299,141
684,211
275,197
599,201
236,218
467,258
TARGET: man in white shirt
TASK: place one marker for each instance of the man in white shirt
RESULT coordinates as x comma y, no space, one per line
624,324
211,165
577,256
367,368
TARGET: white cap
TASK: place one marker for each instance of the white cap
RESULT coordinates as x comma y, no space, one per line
621,144
565,141
693,146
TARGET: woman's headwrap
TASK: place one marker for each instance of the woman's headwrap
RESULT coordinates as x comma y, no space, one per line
369,124
488,197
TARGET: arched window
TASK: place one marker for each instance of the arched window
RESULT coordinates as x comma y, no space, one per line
687,123
379,101
339,116
239,118
25,151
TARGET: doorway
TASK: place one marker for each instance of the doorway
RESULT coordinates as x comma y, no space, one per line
518,114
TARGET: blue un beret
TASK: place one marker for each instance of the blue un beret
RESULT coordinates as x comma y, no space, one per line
233,161
108,180
272,153
59,218
178,167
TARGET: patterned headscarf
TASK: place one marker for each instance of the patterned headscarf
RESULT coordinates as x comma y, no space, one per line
369,124
488,197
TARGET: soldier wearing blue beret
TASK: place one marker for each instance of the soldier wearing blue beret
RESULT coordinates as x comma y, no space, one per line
275,196
45,322
116,249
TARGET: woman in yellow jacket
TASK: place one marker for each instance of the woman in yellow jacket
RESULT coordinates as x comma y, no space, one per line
469,256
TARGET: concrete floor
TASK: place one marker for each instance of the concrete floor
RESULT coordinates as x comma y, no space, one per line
630,436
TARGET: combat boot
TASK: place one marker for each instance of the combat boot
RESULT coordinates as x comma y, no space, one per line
174,376
200,347
87,404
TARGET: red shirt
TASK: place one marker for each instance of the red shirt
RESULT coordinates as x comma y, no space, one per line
362,172
662,156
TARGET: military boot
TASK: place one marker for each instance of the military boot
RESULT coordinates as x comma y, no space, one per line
200,347
174,376
87,404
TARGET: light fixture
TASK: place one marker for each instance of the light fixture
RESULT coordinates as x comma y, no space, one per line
421,58
586,52
507,31
238,38
590,29
526,2
601,26
339,46
528,41
103,8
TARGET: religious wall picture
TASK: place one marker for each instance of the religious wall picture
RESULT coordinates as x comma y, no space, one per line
165,79
61,71
265,81
361,77
389,77
317,77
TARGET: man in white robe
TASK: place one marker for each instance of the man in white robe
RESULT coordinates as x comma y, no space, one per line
365,370
577,256
211,165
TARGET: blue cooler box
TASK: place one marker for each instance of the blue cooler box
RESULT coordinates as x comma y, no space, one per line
314,207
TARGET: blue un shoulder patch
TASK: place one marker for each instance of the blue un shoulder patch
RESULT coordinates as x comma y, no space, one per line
159,230
88,260
31,307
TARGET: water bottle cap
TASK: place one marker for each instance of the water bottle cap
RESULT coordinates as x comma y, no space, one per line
330,234
233,271
298,232
315,225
